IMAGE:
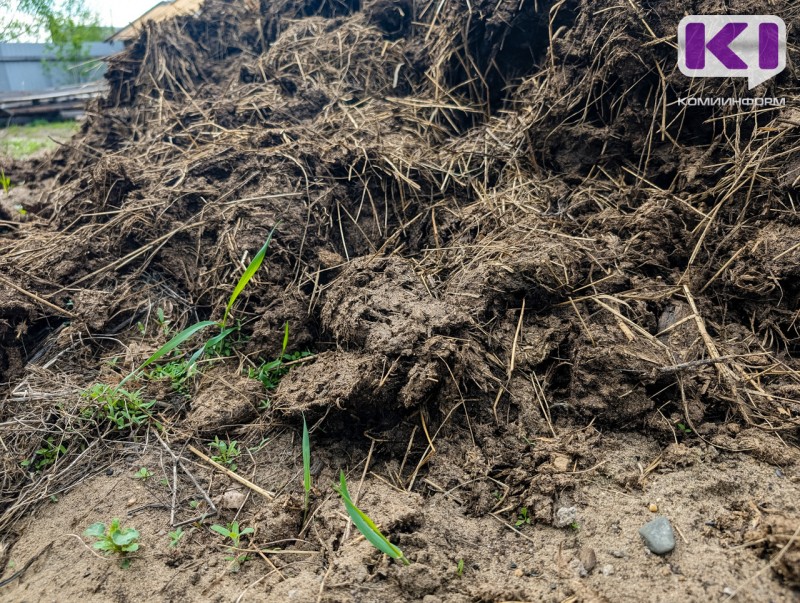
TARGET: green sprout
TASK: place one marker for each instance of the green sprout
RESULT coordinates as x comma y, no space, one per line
175,537
366,526
123,409
233,532
143,474
306,470
460,568
5,181
114,539
523,517
227,452
216,341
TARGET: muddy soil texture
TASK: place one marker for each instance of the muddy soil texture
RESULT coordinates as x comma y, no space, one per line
533,301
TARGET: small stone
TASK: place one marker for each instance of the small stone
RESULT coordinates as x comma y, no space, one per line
131,502
512,565
233,499
653,508
578,568
588,558
728,591
518,573
619,554
607,569
566,516
560,463
658,535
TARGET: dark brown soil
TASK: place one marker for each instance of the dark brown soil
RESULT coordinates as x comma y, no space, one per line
524,275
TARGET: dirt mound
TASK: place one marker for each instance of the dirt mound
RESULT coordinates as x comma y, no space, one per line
494,222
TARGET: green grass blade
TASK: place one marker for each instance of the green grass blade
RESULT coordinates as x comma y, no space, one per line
366,526
251,269
285,338
306,468
171,345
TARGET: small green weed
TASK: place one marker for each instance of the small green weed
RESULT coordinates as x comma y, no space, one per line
575,526
143,474
46,455
177,371
227,452
366,526
522,517
235,534
163,322
114,539
122,408
684,429
5,181
460,568
175,537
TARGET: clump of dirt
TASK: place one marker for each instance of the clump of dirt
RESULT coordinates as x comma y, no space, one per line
503,252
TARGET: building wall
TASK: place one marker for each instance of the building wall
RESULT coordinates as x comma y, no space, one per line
28,67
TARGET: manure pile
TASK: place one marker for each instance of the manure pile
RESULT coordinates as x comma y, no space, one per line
512,265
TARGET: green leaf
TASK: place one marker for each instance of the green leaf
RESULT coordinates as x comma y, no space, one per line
96,530
285,338
248,274
171,345
130,548
366,526
104,545
124,537
221,530
306,466
246,531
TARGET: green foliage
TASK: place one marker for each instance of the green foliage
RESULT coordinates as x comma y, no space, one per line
684,429
306,469
114,539
575,526
248,274
175,537
460,568
143,474
227,452
270,373
120,407
171,345
522,517
217,344
232,531
366,526
5,181
46,455
177,371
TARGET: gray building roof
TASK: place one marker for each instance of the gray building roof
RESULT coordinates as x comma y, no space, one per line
27,67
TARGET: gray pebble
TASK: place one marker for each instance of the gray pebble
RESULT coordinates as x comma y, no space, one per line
658,536
607,569
566,516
